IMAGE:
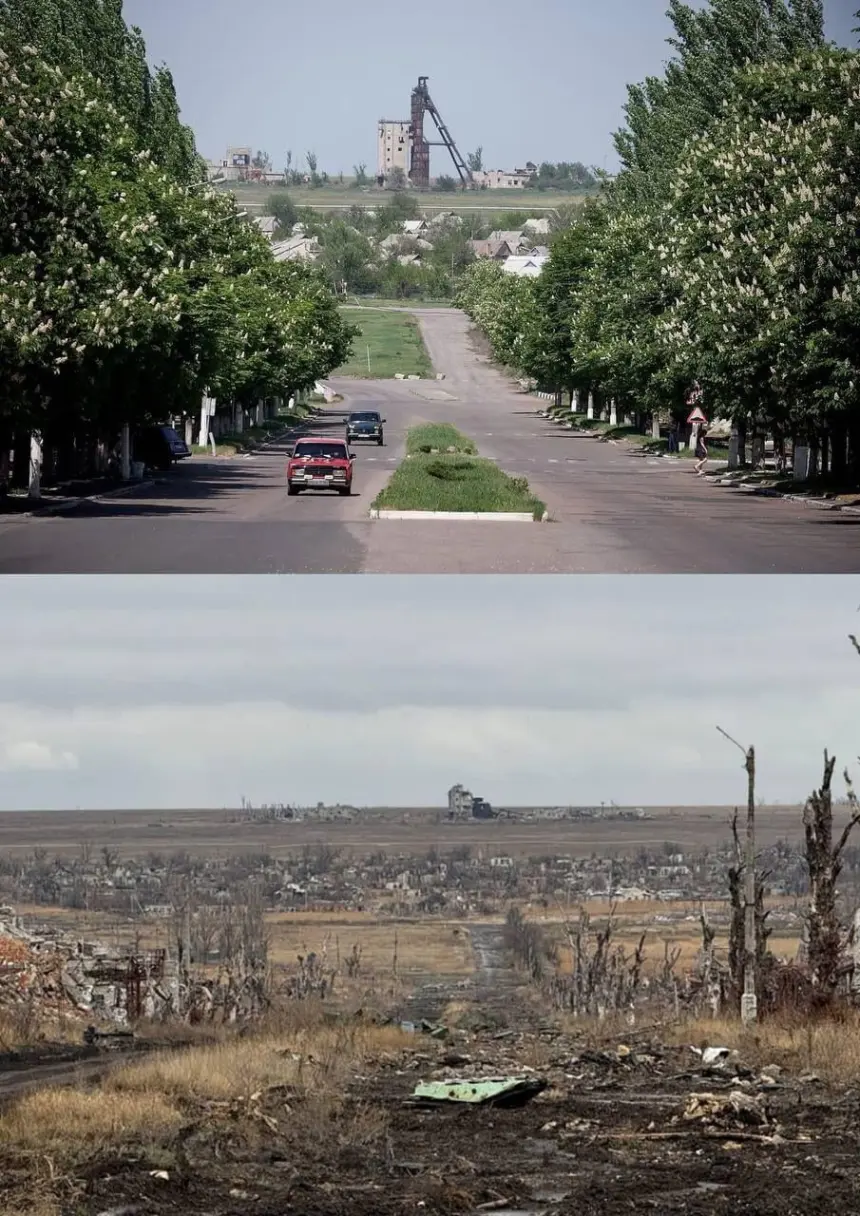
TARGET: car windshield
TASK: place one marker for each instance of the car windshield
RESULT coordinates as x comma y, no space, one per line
320,451
369,417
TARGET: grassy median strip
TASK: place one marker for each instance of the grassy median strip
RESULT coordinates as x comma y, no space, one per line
433,478
393,341
438,437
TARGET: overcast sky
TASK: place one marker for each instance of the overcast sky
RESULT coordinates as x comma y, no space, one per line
539,81
169,692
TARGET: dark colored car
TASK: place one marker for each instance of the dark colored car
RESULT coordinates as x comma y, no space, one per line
365,424
159,446
320,464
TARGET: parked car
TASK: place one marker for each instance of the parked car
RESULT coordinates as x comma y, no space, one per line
160,446
365,424
320,464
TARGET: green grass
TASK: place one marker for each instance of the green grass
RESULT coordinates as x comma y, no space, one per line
395,343
434,437
415,302
333,196
453,481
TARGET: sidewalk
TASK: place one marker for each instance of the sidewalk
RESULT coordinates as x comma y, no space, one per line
742,481
66,495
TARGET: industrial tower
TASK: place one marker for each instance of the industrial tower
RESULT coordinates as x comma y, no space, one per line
419,168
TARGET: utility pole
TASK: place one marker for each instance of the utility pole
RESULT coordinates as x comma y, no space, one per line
749,999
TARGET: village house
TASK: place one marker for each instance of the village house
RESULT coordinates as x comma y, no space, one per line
498,251
516,239
298,248
528,266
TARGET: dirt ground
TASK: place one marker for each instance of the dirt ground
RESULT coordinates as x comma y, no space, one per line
616,1129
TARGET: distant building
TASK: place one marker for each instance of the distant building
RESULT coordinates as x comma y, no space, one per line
462,804
459,802
393,147
505,179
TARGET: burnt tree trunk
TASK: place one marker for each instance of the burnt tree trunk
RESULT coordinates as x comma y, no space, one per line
823,862
736,919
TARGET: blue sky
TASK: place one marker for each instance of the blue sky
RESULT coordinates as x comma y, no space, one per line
538,81
166,692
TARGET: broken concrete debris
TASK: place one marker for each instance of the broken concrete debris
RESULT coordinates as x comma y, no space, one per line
56,975
496,1091
735,1109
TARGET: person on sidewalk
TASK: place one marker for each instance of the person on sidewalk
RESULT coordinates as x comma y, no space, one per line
673,437
701,452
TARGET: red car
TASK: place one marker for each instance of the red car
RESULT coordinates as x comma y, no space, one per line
320,464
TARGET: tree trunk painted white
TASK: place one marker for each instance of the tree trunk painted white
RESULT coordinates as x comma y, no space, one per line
613,413
125,450
694,436
238,419
189,431
574,402
802,462
734,450
655,426
204,422
590,407
260,413
35,485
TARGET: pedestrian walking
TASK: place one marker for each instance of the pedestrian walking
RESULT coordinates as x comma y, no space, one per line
701,452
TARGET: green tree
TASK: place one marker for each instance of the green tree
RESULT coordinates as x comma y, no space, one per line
285,211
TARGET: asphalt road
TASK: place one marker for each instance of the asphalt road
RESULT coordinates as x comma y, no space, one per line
612,511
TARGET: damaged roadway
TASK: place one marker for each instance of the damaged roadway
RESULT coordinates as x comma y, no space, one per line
611,1132
613,1122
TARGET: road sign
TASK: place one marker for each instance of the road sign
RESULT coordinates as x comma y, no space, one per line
696,416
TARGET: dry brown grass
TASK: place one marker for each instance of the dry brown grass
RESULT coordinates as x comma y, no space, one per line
69,1122
313,1057
429,947
32,1203
829,1047
146,1102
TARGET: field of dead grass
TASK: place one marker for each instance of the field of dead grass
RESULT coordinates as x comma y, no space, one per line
427,947
145,1103
828,1047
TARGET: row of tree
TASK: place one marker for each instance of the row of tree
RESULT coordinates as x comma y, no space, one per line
726,251
128,288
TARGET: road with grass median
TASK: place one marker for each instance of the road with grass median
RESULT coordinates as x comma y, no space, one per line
612,508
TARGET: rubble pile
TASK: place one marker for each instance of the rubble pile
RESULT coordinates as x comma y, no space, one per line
51,975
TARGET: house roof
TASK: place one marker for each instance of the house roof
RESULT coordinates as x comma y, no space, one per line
514,239
491,249
526,267
295,247
413,226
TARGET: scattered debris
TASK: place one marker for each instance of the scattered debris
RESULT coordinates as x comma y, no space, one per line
497,1091
735,1109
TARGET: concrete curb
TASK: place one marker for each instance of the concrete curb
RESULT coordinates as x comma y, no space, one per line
71,503
522,517
817,504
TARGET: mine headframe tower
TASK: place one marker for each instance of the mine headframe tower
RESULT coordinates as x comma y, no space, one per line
419,171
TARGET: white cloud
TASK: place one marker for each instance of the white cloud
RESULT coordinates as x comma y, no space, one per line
26,755
193,692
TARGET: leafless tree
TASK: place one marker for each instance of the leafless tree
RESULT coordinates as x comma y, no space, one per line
824,863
